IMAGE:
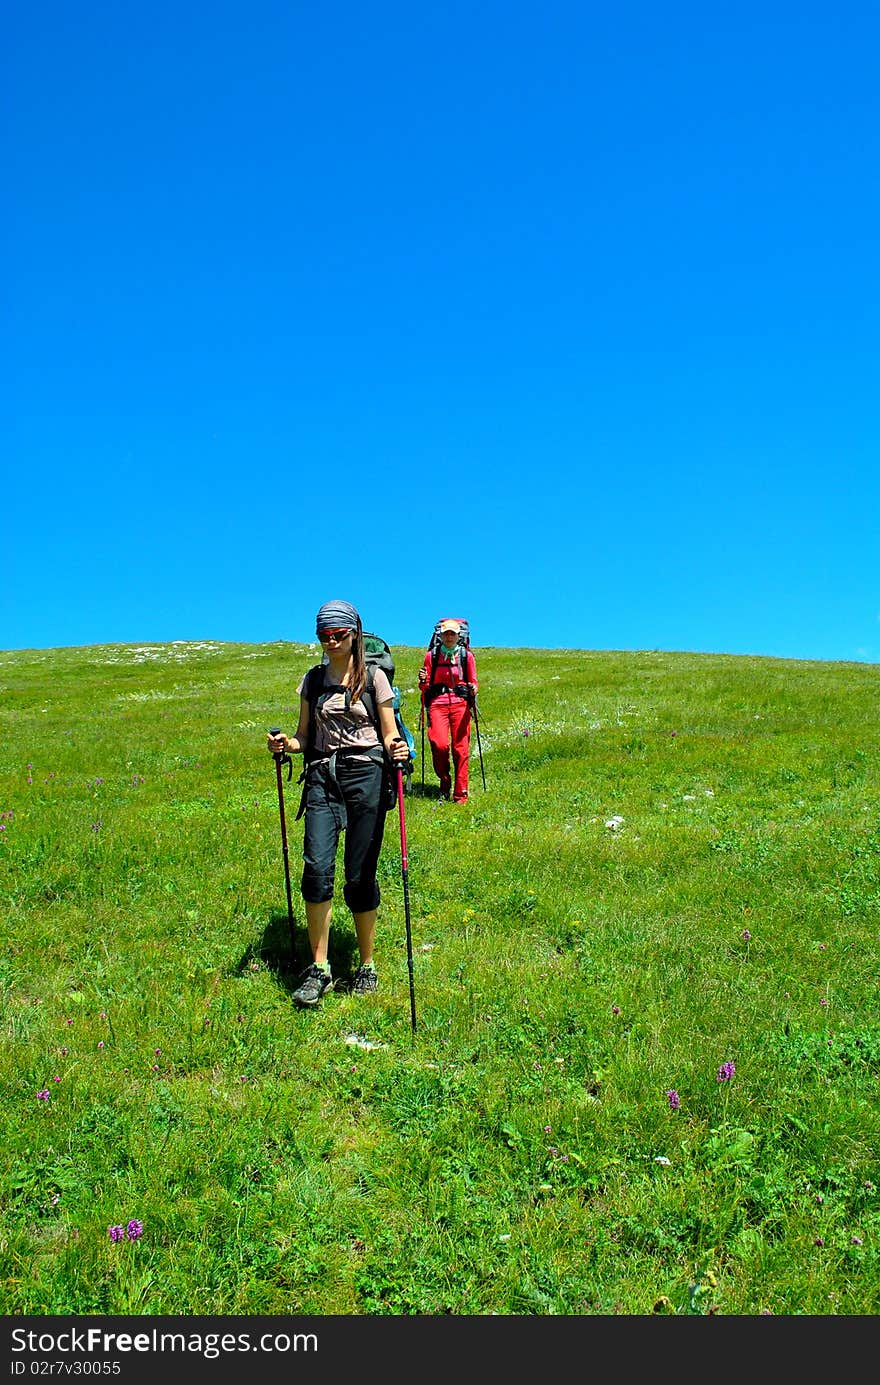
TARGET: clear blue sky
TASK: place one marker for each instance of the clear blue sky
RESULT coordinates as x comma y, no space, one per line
560,316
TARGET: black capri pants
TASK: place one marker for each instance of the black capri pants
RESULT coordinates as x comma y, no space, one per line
344,793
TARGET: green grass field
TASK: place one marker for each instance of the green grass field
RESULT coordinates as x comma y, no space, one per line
645,1072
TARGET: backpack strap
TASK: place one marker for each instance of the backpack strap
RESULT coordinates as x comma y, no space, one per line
435,657
460,653
368,697
310,693
313,681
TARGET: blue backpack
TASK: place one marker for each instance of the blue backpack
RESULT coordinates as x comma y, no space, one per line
378,655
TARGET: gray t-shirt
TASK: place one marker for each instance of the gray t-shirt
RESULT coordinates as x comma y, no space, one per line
338,726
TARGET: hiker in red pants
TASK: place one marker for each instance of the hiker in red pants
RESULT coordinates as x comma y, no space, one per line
448,679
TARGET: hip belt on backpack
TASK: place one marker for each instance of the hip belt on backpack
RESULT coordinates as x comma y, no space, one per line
434,690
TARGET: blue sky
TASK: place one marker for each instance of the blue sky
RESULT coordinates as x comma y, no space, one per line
560,316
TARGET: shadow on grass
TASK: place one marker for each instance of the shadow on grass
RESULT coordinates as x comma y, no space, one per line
420,790
287,959
432,791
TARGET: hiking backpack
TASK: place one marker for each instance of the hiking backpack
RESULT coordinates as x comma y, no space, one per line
462,648
377,654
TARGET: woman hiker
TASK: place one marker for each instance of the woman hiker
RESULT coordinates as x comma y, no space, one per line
448,679
345,785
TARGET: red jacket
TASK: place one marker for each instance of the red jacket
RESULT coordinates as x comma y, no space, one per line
449,673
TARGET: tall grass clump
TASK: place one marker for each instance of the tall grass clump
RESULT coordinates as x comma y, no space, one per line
646,1067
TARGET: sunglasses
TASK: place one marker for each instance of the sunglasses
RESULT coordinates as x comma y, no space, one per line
337,636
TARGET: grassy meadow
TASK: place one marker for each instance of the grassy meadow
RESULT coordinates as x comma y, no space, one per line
646,1068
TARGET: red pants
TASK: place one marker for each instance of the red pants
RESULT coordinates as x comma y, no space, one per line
449,717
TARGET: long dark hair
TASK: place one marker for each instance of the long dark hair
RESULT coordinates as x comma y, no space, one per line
358,680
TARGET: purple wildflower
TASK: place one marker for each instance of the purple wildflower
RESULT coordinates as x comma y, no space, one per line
115,1233
674,1099
726,1071
43,1095
822,1000
615,1009
746,935
134,1229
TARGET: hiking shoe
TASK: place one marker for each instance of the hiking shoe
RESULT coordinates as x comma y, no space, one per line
365,981
312,985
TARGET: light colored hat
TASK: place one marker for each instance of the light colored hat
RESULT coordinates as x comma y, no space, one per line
452,625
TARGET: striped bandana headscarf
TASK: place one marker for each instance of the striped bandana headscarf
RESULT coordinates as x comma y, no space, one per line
337,615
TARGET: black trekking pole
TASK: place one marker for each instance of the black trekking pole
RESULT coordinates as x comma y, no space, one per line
282,758
403,866
477,725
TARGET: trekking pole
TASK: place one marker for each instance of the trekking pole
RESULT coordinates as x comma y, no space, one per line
422,723
281,758
479,745
405,873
